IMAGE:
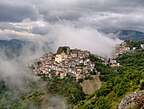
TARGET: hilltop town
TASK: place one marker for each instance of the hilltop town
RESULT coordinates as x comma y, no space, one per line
73,62
66,61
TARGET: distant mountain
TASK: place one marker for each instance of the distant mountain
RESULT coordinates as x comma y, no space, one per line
130,35
13,47
13,43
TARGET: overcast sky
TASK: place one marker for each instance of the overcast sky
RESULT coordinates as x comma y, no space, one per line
75,23
33,16
45,19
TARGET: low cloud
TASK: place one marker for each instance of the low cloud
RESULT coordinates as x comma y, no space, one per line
48,24
52,23
63,33
54,102
19,79
85,38
13,70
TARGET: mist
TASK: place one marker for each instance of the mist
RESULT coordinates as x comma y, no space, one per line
59,34
20,79
48,24
85,38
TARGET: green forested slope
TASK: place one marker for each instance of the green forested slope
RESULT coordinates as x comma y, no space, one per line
119,81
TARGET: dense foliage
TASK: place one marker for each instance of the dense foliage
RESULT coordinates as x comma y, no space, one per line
106,72
67,87
15,98
119,81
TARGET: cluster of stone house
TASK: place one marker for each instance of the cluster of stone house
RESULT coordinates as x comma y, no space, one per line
121,49
66,61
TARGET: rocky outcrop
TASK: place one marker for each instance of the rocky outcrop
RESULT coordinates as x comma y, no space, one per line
91,85
136,98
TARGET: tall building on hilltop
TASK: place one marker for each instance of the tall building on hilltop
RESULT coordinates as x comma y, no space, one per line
63,49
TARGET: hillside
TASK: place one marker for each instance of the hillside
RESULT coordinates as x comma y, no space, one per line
123,80
112,84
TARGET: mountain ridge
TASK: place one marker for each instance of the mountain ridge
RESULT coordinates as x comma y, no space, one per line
130,35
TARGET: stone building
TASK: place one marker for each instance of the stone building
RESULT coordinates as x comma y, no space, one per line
65,62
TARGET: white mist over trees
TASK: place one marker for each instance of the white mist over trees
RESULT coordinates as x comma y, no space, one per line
54,23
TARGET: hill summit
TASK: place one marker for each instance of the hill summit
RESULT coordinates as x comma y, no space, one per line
66,61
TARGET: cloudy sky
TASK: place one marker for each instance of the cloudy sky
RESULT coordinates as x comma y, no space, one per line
59,20
76,23
104,14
